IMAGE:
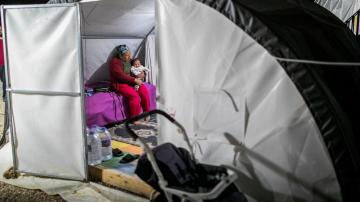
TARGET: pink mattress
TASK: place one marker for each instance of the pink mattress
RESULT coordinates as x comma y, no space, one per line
108,107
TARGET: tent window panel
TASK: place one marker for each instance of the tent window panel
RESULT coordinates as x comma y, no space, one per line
42,57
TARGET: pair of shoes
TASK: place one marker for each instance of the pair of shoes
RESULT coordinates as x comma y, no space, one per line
127,158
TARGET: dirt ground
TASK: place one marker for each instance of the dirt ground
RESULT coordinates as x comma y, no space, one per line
9,193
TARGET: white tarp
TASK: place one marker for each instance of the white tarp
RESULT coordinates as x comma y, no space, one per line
43,45
151,59
239,106
110,23
343,9
113,18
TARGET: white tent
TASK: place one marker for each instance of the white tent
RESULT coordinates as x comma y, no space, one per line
272,143
343,9
51,51
224,73
224,77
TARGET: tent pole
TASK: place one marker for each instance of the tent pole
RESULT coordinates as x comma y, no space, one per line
38,92
109,37
51,176
8,93
39,6
143,41
82,94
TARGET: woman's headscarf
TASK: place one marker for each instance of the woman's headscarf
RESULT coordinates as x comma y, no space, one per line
121,49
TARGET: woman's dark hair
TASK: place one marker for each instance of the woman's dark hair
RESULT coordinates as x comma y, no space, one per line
133,61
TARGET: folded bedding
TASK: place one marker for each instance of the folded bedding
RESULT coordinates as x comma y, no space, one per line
103,108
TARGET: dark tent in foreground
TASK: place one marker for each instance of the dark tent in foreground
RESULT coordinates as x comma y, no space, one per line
332,93
233,86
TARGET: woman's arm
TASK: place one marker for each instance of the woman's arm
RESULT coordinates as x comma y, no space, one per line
117,71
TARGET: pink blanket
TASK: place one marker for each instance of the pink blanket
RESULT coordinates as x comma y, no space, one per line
105,108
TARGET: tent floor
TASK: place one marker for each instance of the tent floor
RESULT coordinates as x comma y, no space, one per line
121,176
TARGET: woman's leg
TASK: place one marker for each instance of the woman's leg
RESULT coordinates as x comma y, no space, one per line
133,98
145,98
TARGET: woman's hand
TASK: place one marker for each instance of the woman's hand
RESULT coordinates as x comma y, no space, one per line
141,76
138,81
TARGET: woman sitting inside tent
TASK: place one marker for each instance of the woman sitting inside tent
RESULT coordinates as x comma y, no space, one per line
124,84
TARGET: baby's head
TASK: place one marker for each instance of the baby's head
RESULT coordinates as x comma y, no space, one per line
136,62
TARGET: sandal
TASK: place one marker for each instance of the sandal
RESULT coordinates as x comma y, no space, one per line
117,152
127,158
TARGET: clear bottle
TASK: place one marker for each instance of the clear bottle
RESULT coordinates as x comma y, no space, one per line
94,148
105,138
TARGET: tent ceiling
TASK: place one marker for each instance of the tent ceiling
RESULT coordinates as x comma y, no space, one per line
114,18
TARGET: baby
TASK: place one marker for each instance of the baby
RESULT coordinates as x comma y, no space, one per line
138,70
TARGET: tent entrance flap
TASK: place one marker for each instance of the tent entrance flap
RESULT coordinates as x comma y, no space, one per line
45,90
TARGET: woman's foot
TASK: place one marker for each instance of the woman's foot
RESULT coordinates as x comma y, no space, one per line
137,122
147,118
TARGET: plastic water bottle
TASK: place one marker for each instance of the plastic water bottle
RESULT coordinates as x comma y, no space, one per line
94,148
105,138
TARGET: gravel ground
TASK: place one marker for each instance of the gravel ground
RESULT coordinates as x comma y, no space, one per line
10,193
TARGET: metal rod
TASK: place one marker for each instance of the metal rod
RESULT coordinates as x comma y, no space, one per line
111,37
82,97
38,6
8,94
143,41
62,177
39,92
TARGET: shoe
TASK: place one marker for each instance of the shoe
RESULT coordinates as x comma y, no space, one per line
117,152
127,158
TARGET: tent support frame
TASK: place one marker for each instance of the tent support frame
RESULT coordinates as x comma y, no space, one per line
37,92
82,91
143,41
109,37
39,6
51,176
10,91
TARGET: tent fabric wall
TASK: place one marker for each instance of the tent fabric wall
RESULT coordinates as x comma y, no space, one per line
108,24
335,110
114,18
343,9
45,79
98,53
151,59
104,24
353,23
238,104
